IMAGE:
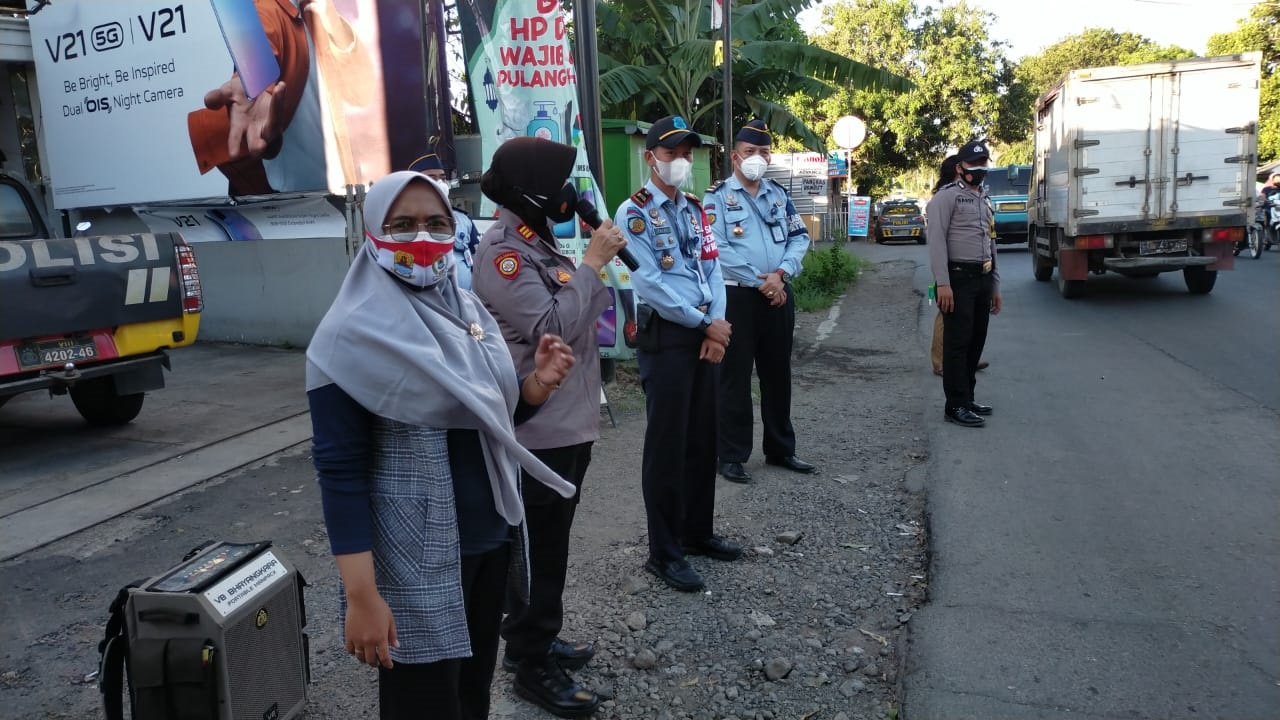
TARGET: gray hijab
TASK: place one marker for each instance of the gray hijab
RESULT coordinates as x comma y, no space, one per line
432,358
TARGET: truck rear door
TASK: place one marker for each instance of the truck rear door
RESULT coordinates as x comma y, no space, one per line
1117,133
1212,165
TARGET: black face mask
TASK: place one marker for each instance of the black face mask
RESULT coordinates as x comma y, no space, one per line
974,176
559,207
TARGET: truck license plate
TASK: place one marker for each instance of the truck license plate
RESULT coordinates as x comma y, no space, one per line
899,222
56,352
1161,247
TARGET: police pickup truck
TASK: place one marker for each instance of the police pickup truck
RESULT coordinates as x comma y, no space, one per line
90,316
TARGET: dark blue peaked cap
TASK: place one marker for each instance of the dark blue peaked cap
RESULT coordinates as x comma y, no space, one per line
430,161
754,132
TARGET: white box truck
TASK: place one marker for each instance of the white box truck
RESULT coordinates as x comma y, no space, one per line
1144,169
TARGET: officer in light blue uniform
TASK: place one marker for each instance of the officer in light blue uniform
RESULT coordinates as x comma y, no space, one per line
762,241
681,340
466,239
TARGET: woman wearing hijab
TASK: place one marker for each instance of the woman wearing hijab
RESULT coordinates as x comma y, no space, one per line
533,289
412,395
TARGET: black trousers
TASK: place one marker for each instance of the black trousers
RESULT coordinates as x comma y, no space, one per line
762,338
964,332
530,628
455,689
678,472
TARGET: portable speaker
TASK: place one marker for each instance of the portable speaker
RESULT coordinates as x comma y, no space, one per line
223,629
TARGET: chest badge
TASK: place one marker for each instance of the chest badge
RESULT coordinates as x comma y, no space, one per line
653,213
667,262
738,231
476,331
731,199
563,276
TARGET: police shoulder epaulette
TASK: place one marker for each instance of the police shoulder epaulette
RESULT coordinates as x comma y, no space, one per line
716,187
693,199
641,197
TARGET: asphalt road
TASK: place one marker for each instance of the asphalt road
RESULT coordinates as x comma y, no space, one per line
1106,547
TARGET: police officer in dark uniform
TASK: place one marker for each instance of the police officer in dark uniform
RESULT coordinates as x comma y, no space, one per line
962,253
682,339
465,238
762,240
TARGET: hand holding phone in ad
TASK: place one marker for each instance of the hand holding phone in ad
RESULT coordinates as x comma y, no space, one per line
251,51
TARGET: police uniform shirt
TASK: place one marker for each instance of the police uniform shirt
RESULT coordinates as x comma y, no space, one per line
464,245
755,235
960,228
531,290
676,254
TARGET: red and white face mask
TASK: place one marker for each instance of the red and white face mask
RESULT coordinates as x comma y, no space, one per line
421,262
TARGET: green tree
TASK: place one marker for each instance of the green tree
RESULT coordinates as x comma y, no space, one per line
1259,31
964,84
1095,47
657,57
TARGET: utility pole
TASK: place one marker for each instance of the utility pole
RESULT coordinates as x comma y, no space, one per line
726,10
584,40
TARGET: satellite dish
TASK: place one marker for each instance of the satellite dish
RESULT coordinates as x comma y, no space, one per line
849,132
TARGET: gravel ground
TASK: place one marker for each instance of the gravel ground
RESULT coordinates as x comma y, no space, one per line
811,624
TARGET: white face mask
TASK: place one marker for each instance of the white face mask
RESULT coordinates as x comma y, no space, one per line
441,185
753,167
674,172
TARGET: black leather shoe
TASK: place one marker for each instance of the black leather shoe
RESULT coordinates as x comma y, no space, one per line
715,547
679,574
980,408
734,472
571,656
792,463
544,683
964,416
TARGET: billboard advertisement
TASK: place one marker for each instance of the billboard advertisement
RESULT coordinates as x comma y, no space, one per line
525,83
148,101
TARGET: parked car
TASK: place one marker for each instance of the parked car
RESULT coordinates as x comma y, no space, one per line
900,220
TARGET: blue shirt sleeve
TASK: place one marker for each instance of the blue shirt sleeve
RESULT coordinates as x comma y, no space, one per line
342,451
797,242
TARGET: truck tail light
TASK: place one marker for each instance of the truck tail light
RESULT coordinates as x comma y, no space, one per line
1226,234
192,295
1092,242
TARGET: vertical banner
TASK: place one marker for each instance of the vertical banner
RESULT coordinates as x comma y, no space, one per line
524,83
859,215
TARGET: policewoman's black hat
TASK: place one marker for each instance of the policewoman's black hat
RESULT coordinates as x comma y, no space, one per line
754,132
430,161
670,132
973,152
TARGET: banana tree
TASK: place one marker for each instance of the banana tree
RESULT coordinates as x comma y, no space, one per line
659,57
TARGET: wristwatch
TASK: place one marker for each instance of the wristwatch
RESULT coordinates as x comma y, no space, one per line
704,323
783,274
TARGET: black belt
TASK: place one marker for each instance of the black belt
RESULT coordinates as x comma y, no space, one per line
982,268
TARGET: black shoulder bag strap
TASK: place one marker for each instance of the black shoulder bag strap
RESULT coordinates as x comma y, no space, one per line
114,652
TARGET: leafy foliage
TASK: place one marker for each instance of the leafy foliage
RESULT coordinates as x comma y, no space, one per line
1095,47
825,274
965,87
658,57
1259,31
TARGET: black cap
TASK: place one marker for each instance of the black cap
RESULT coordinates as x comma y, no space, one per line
670,132
974,151
754,132
430,161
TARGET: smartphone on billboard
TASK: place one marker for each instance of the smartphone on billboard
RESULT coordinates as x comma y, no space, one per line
236,225
248,44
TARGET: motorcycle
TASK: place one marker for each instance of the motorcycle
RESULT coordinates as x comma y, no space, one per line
1262,234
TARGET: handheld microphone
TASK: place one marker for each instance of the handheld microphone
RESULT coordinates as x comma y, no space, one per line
587,211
